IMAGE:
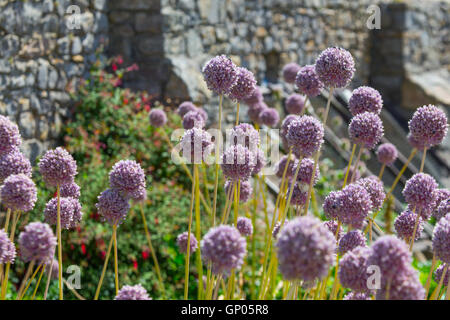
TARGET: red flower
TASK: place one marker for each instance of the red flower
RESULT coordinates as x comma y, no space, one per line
135,265
145,255
147,108
83,248
125,101
103,254
114,67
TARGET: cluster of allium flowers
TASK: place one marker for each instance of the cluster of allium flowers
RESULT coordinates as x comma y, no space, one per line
281,165
70,212
299,193
7,249
354,204
238,163
295,104
290,71
419,191
185,107
9,135
404,225
366,129
307,81
305,249
244,86
353,269
255,97
365,99
441,239
428,125
245,190
224,247
220,74
57,167
128,177
246,135
351,240
18,192
70,190
357,296
157,118
136,292
335,67
37,242
14,162
405,286
443,209
53,265
332,225
260,163
269,117
194,119
196,145
276,230
245,226
305,136
182,242
387,153
305,173
255,110
112,206
438,274
374,187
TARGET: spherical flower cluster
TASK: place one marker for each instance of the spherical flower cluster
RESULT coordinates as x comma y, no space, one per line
441,239
245,226
185,107
140,196
220,74
269,117
374,187
9,135
244,86
14,162
305,173
255,97
37,242
157,118
404,225
182,242
7,249
290,72
351,240
443,209
295,104
438,274
305,249
354,204
194,119
70,190
331,205
299,193
281,165
440,195
245,190
307,81
238,163
405,286
387,153
419,191
357,296
332,225
365,99
18,192
196,145
224,248
136,292
53,265
285,124
428,125
276,230
305,136
70,212
353,269
335,67
255,110
246,135
112,206
366,129
57,167
128,177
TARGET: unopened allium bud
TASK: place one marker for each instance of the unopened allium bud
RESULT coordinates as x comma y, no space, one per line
428,125
365,99
220,74
387,153
295,104
307,81
335,67
290,71
366,129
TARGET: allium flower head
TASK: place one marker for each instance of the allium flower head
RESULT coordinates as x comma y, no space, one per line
246,135
332,225
299,193
419,191
157,118
37,242
418,144
245,85
14,162
193,119
365,99
245,226
238,163
441,239
9,135
18,192
70,209
255,110
127,176
305,136
224,248
7,249
405,286
354,204
281,165
353,269
443,209
375,188
196,145
136,292
331,205
387,153
245,190
285,124
305,172
290,72
260,163
185,107
351,240
220,74
404,225
269,117
366,129
112,206
307,81
441,195
335,67
295,104
357,296
305,249
428,125
70,190
255,97
57,167
438,274
182,242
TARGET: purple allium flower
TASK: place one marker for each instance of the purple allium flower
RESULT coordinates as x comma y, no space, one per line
136,292
306,171
77,214
127,176
307,81
331,206
54,266
37,242
305,249
443,209
428,125
245,85
419,191
276,230
193,119
405,286
418,144
441,239
140,196
18,192
353,269
365,99
245,191
269,117
112,206
290,71
440,195
7,248
351,240
255,110
182,242
357,296
70,190
70,208
220,74
245,227
260,163
366,129
438,274
224,248
335,67
238,163
332,225
404,225
387,153
57,167
14,162
255,97
305,136
157,117
354,205
285,124
299,193
295,104
375,188
246,135
9,135
196,145
185,107
281,165
203,113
